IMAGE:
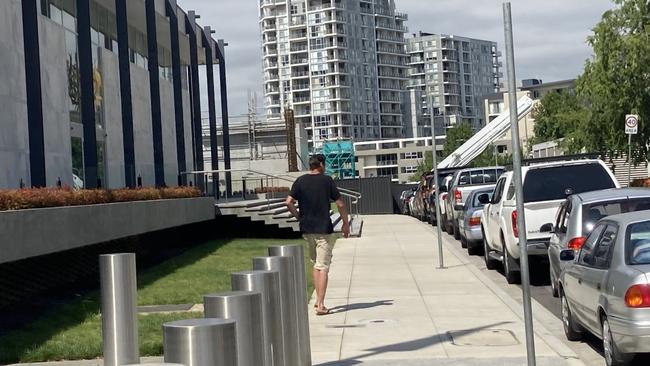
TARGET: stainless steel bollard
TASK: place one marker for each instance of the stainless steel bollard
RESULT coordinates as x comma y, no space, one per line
117,275
297,252
245,308
201,342
268,284
284,265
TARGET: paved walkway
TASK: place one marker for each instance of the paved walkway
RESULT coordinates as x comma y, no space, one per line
392,306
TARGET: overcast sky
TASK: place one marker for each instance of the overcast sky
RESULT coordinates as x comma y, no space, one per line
549,35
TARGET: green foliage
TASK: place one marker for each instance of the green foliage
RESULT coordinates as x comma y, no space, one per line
615,82
456,137
488,158
424,166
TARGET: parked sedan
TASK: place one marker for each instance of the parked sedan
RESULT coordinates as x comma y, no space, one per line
469,221
579,213
605,290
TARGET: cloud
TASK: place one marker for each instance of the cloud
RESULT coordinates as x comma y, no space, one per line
549,35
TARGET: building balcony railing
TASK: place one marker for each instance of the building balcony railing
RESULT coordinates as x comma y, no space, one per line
298,74
301,87
396,27
298,48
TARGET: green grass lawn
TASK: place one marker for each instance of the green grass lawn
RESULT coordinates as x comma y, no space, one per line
73,331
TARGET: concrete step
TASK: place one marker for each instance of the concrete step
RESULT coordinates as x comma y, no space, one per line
266,207
249,203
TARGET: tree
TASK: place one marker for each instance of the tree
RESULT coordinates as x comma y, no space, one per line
456,137
424,166
617,80
561,115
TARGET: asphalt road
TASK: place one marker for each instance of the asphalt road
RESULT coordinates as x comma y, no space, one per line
590,349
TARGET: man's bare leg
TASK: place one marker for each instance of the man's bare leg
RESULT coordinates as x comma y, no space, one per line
320,284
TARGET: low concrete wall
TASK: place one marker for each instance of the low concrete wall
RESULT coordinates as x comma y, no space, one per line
30,233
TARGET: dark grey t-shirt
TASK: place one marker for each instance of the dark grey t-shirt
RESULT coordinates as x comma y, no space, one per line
314,194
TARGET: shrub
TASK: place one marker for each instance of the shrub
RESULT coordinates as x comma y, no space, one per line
640,183
21,199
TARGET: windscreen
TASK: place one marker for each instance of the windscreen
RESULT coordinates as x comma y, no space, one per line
638,247
476,202
555,183
592,213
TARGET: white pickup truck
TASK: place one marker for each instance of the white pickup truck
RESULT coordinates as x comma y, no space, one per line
546,186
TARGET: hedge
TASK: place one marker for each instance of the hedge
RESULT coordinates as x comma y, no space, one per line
22,199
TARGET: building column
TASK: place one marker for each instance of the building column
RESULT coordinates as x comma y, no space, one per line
87,96
221,56
154,85
209,46
121,18
34,96
170,6
195,97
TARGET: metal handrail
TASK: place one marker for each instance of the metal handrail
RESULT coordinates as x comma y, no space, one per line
352,196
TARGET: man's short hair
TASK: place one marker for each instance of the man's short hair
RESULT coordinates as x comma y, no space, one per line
315,161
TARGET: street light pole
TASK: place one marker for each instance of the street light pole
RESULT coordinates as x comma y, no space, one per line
519,190
435,180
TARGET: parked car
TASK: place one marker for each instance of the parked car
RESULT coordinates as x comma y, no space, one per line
419,208
444,176
605,288
546,185
463,182
579,213
405,197
469,222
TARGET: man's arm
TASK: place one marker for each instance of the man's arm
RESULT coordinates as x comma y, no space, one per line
291,205
344,216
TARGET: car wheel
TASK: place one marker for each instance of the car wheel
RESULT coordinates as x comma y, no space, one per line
571,328
554,290
463,241
613,357
474,248
512,276
457,233
489,262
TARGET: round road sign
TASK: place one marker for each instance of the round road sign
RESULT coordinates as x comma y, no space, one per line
631,121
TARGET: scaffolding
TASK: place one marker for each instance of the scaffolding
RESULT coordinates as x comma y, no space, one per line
339,159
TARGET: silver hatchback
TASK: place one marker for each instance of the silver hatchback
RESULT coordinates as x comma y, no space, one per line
579,213
605,289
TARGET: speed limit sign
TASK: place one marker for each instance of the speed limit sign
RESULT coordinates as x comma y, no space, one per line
631,124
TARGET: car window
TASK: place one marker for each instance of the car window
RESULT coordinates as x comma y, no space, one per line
638,243
477,177
511,191
593,212
491,175
464,179
498,191
476,202
560,214
586,253
556,182
564,219
602,253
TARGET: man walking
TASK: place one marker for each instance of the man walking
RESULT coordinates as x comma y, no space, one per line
314,192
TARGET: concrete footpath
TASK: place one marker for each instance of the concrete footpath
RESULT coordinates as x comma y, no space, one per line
392,306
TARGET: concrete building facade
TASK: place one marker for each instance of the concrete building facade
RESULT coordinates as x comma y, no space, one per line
339,64
101,93
398,159
455,72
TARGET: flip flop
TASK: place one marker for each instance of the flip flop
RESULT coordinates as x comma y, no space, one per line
323,312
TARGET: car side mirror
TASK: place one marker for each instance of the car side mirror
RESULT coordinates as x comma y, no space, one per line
568,255
459,207
546,228
484,198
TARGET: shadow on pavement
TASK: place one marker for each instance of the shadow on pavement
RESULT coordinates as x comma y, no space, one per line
408,346
360,306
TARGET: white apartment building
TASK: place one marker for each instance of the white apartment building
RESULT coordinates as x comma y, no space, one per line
456,72
339,64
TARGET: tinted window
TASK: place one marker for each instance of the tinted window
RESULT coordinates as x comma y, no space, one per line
464,179
638,243
491,175
475,201
586,253
596,211
604,248
498,191
554,183
442,177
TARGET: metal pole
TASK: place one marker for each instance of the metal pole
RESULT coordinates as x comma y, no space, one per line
119,314
629,160
200,342
284,265
268,284
297,252
245,308
519,190
435,179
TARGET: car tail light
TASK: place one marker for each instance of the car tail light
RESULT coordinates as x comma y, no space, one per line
638,296
443,196
474,221
515,229
576,243
458,196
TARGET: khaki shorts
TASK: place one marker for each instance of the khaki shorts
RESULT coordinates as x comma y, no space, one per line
320,250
